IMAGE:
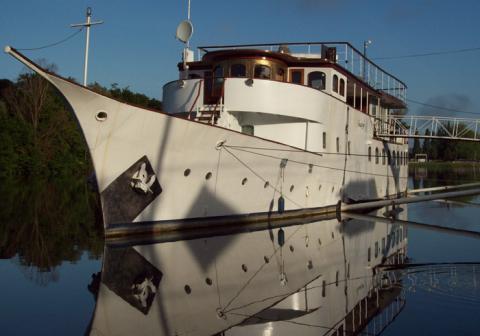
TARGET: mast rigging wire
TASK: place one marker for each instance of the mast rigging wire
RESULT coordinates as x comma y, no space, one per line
435,53
55,43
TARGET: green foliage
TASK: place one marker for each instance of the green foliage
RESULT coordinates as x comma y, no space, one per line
127,96
40,137
450,150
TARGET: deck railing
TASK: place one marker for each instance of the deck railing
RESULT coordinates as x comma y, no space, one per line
347,56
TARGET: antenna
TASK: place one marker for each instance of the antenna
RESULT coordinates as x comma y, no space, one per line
184,33
87,24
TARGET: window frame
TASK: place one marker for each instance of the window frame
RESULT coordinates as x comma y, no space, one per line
309,80
258,65
302,76
335,83
239,64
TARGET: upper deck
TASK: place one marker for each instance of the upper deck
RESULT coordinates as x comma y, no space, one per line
341,54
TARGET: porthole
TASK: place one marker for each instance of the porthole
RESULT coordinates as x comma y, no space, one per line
266,184
244,181
265,258
309,265
101,116
292,187
208,176
208,281
244,268
187,288
186,172
292,248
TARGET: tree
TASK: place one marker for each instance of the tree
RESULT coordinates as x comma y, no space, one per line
27,97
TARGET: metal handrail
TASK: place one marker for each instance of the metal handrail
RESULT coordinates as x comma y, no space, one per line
353,61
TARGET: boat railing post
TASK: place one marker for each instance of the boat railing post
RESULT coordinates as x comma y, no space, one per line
351,64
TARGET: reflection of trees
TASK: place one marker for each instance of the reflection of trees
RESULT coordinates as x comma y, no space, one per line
440,174
46,223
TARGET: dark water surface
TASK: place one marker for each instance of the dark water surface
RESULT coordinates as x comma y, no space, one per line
51,244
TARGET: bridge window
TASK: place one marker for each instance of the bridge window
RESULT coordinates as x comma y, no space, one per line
389,157
262,71
348,147
324,140
383,156
394,156
342,87
238,70
335,83
218,72
280,74
317,80
338,145
369,153
376,155
296,76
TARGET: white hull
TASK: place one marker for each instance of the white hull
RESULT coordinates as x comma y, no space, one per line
228,170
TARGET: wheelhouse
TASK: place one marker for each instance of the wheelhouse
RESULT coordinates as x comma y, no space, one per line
289,93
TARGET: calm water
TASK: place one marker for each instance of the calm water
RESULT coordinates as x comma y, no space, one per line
51,251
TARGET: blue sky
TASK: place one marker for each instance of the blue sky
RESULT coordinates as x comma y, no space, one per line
136,47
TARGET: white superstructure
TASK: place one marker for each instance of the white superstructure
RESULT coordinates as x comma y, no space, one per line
248,133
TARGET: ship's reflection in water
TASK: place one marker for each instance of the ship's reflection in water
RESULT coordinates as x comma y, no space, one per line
322,277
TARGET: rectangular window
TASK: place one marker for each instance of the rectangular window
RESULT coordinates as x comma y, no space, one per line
376,249
383,245
262,71
369,254
324,140
348,147
324,288
296,76
338,145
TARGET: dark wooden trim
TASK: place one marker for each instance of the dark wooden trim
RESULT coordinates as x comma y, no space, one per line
302,72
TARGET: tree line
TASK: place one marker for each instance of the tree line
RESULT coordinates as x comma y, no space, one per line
445,149
40,137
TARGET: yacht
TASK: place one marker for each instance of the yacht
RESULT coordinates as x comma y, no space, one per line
247,133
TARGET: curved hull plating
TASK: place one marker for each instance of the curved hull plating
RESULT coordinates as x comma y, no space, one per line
153,167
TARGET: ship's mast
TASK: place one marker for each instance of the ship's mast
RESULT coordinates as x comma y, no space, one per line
87,24
184,32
